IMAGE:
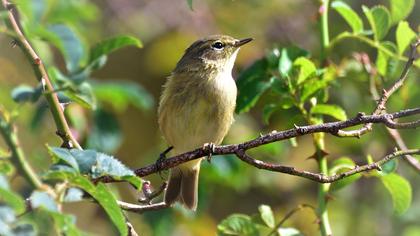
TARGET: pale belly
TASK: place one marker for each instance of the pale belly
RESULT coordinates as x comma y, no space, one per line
199,119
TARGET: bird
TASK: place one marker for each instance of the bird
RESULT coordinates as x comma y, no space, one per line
197,107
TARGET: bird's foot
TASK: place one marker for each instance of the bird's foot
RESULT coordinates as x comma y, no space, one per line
161,159
209,147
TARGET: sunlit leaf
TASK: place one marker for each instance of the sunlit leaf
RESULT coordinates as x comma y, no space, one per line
109,45
73,195
287,57
311,87
237,224
404,35
379,19
400,9
330,110
307,69
400,190
349,15
267,215
289,232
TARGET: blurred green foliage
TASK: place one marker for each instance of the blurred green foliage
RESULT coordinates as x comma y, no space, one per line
109,88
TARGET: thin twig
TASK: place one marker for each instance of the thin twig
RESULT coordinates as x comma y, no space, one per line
288,215
142,208
42,76
380,106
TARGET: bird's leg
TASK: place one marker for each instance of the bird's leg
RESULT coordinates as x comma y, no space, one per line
209,147
161,159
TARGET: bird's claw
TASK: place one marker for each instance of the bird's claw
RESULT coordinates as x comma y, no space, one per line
209,147
161,159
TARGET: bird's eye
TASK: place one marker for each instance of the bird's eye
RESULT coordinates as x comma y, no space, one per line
218,45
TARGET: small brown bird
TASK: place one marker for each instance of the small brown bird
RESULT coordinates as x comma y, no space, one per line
197,107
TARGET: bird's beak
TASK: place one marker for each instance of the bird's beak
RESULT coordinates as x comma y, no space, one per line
242,42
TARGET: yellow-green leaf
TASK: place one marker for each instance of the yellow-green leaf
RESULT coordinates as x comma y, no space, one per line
400,190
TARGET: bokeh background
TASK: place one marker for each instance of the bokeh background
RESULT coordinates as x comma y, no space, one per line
227,186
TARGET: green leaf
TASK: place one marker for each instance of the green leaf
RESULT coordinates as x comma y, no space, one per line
83,95
389,167
287,57
307,69
267,215
339,166
190,4
100,193
25,93
122,94
404,35
66,224
400,190
400,9
289,232
237,224
70,45
349,15
384,61
252,83
9,197
44,200
107,200
330,110
110,45
311,87
379,19
105,135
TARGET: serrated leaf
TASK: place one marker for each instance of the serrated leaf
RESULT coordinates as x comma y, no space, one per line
307,69
267,215
404,35
379,19
110,45
289,232
122,94
330,110
44,200
341,165
351,17
70,45
237,224
400,9
400,190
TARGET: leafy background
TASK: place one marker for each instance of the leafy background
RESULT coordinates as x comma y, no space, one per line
124,88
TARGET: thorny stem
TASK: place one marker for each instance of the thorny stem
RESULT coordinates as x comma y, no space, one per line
57,111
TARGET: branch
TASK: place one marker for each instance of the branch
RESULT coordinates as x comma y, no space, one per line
8,131
380,106
41,74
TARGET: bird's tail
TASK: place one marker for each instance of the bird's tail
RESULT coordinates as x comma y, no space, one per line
183,185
